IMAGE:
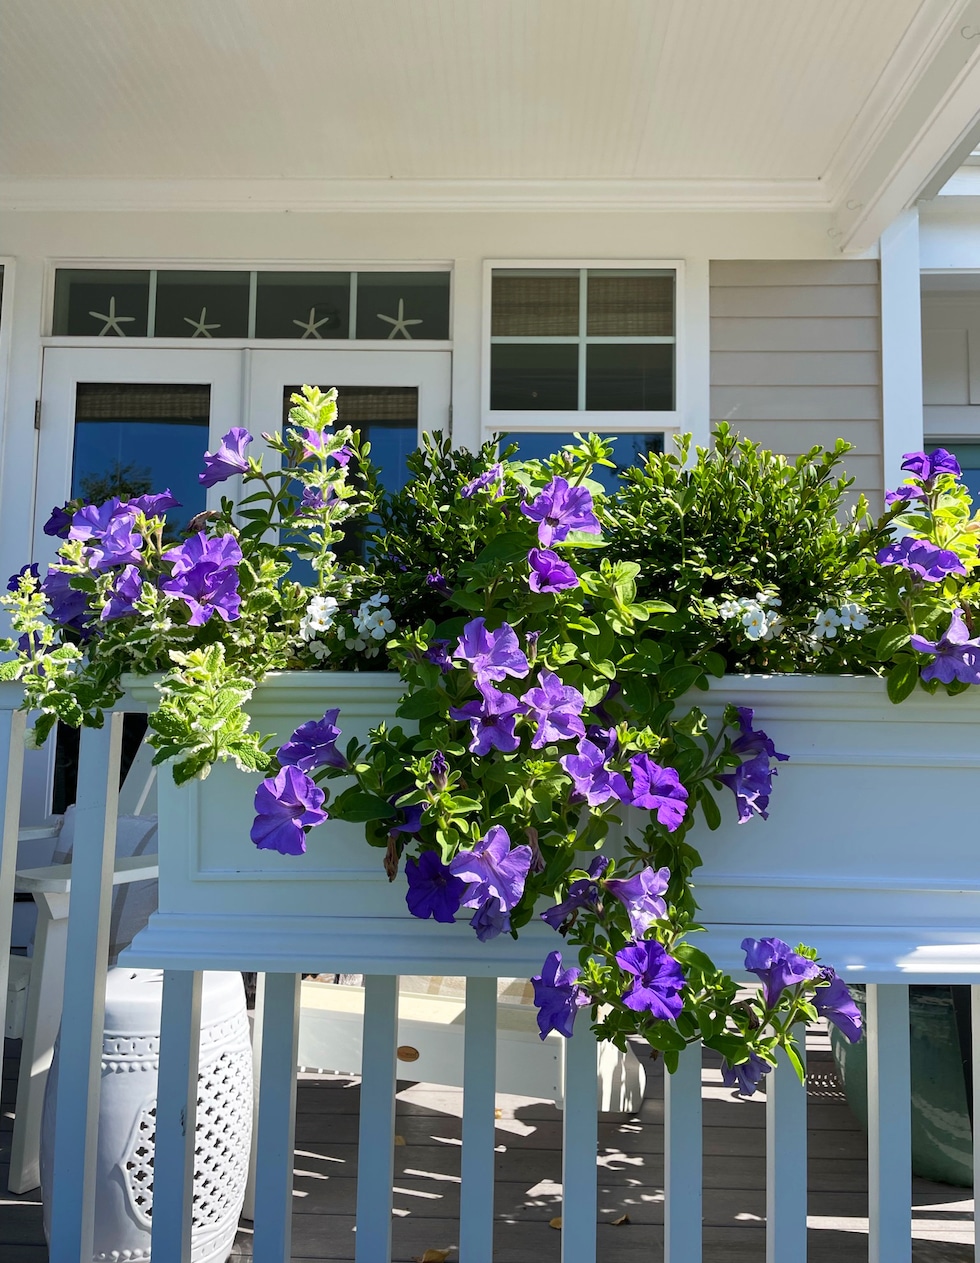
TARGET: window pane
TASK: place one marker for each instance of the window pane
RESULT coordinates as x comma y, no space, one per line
542,376
307,305
631,304
968,454
535,304
398,305
628,449
92,303
632,378
202,305
133,440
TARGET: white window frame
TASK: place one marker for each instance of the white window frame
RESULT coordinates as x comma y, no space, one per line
565,420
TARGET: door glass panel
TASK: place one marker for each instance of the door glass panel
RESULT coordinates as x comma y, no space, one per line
397,305
202,305
135,438
628,449
306,305
93,303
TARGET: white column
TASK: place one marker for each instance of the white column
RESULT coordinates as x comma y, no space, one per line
479,1087
682,1159
901,344
580,1140
694,353
468,352
889,1125
786,1160
11,771
376,1135
275,1135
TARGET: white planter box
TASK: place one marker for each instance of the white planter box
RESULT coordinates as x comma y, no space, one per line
870,852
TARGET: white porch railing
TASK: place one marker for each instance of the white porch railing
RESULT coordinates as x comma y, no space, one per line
77,1101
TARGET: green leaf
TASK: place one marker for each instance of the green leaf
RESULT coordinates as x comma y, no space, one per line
421,705
359,808
902,679
891,640
711,810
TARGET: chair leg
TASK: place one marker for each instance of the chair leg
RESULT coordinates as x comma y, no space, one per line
44,1000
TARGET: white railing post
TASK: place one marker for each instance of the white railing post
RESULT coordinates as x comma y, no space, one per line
889,1125
12,774
975,1068
479,1092
276,1132
682,1159
376,1134
176,1117
786,1162
83,1011
580,1141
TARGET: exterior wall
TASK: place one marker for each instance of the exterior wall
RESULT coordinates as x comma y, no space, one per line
796,357
951,363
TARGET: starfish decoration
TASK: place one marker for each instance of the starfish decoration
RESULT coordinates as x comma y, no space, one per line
399,325
311,325
113,322
200,328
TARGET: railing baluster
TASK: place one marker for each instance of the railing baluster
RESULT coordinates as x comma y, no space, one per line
479,1090
682,1159
12,771
889,1125
376,1135
176,1118
275,1135
580,1140
786,1165
975,1024
83,1012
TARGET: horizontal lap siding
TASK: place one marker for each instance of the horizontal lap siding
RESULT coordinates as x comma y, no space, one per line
795,358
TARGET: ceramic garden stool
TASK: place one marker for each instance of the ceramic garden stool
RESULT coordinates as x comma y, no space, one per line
130,1058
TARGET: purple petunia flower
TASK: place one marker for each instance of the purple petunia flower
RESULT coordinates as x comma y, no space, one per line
13,583
557,997
657,980
957,656
836,1004
68,605
490,919
313,499
492,721
495,868
658,789
314,442
583,893
590,776
751,783
549,573
641,897
747,1075
314,744
436,579
205,577
559,509
905,494
555,708
777,965
928,466
437,654
439,772
411,819
489,476
491,655
198,549
284,804
124,594
752,742
107,530
59,523
433,891
228,460
922,558
155,505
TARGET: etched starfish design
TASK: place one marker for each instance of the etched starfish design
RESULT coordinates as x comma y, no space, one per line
200,328
399,324
311,325
112,321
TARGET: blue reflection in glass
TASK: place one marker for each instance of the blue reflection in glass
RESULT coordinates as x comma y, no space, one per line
628,449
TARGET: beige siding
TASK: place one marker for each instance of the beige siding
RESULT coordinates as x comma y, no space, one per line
795,358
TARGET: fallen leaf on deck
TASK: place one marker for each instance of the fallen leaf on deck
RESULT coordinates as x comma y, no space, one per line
498,1113
433,1256
399,1140
623,1219
555,1223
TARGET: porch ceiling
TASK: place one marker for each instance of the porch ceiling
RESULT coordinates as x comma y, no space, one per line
785,104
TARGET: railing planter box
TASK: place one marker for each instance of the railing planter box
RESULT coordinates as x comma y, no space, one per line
843,861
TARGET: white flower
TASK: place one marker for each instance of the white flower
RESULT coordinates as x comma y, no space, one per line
373,620
754,622
319,617
355,642
774,625
766,598
319,649
826,624
852,617
730,609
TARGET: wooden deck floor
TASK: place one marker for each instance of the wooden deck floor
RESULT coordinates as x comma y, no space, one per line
528,1189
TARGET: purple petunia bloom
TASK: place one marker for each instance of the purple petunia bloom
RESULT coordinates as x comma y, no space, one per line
905,494
489,476
752,742
583,893
927,466
495,869
314,442
198,549
492,721
559,509
777,965
283,805
641,897
836,1004
124,594
433,891
437,653
751,783
313,499
658,789
590,776
957,656
555,708
228,460
922,558
411,819
13,583
549,573
657,983
491,655
205,577
68,605
59,523
439,772
155,505
436,579
490,919
107,530
747,1075
557,997
314,744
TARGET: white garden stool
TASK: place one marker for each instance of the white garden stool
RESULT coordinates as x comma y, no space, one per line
124,1166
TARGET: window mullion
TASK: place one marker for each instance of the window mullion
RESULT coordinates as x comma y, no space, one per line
583,325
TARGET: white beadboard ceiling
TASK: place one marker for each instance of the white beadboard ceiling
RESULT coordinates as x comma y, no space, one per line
777,100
